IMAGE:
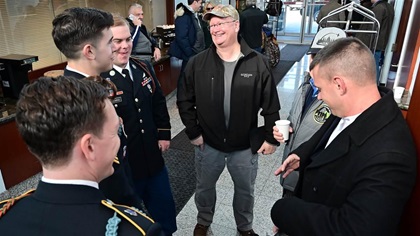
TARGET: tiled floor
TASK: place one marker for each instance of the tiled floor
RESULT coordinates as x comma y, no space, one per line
267,188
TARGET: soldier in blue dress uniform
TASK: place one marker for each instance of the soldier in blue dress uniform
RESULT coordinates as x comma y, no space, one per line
72,128
88,55
142,106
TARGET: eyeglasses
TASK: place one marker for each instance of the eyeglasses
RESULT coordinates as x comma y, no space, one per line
221,24
209,8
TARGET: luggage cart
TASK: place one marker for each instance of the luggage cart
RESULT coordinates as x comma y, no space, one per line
370,20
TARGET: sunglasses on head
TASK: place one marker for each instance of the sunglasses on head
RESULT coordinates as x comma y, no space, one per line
209,8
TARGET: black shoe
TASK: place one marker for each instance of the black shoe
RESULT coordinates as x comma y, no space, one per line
247,233
200,230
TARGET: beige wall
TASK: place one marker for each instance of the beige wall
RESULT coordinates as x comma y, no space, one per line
25,26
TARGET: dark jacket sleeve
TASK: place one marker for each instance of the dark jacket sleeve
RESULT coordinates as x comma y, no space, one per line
160,110
186,102
372,207
182,35
270,104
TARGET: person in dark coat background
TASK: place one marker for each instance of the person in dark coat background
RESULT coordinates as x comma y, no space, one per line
189,36
384,13
89,56
141,104
357,172
252,19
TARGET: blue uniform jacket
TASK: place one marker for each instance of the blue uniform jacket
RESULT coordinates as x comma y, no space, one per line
142,106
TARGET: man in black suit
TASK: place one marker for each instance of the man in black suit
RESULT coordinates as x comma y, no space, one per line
140,103
357,172
72,128
89,51
252,19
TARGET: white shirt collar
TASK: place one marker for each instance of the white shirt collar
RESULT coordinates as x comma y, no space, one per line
74,70
344,122
71,181
119,69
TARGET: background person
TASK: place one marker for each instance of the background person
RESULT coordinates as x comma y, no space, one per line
384,13
252,20
189,37
307,113
362,159
208,6
76,140
144,46
224,89
141,105
326,9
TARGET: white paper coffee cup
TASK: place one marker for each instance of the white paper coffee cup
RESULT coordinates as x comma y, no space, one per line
283,126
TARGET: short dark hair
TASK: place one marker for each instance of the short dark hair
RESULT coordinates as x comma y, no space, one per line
77,26
191,1
53,113
348,56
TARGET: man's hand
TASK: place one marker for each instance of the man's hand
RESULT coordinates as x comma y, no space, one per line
275,229
290,164
279,136
137,21
267,148
164,145
156,54
198,142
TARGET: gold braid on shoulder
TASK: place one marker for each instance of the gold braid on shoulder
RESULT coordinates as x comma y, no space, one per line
7,204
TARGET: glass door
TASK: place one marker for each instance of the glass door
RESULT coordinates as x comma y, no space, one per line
299,21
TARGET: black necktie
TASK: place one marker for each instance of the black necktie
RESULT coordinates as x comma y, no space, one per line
127,74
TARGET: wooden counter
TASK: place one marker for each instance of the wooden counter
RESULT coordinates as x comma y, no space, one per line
16,162
167,72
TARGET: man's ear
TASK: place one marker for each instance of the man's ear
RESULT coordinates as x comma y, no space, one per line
87,146
340,85
89,51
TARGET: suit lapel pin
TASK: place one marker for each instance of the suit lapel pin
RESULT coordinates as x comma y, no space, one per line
112,73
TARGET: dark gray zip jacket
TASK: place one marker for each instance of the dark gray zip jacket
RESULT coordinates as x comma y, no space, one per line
201,96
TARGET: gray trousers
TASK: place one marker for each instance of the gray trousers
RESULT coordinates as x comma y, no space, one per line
242,166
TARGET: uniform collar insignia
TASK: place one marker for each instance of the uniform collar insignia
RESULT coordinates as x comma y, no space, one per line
130,212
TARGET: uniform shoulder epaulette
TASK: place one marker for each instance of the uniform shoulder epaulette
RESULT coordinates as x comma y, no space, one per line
134,216
7,204
143,65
